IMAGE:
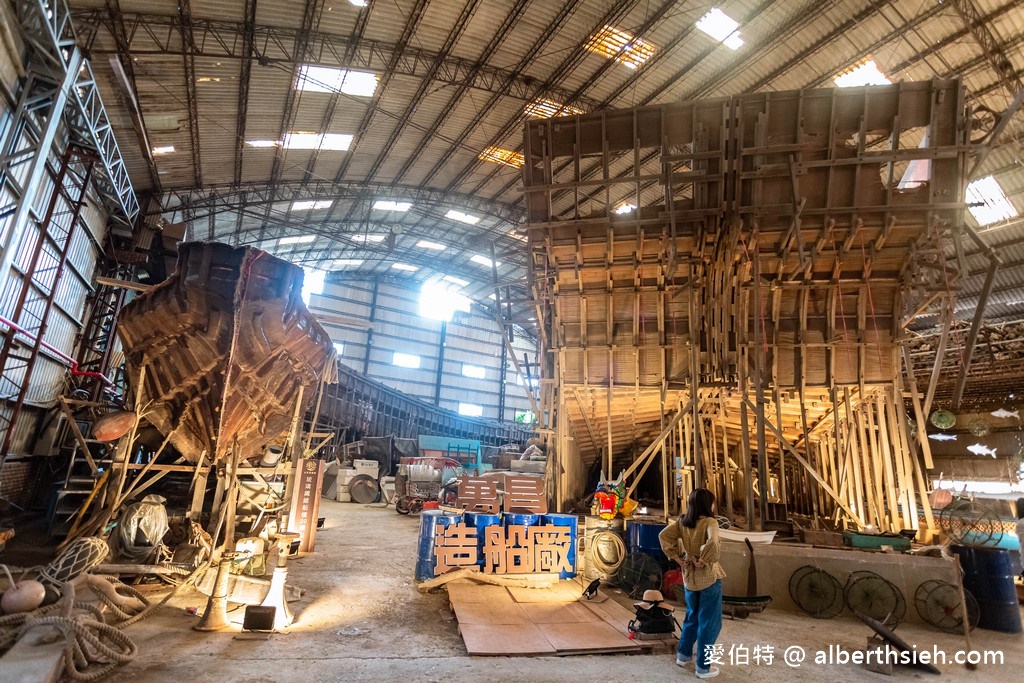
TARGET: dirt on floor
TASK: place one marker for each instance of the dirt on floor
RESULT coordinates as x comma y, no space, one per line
362,619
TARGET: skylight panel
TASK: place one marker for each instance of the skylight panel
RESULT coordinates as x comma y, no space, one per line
471,410
625,208
405,360
505,157
549,109
405,266
296,239
339,348
455,280
864,72
391,205
988,203
312,205
474,371
367,238
623,47
462,217
424,244
721,27
327,79
165,149
321,141
483,260
262,143
347,262
357,3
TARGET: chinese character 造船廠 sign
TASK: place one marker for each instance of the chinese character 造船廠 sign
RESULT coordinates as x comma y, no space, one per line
515,549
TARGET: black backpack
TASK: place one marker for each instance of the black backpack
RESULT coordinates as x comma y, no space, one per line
655,619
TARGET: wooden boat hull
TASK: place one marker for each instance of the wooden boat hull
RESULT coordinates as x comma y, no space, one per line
225,350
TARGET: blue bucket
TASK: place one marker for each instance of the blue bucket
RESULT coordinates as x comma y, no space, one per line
988,575
426,559
643,537
571,521
480,521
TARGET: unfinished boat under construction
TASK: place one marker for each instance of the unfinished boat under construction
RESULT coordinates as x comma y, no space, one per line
224,353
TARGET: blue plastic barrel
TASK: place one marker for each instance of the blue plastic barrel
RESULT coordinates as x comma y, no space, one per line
571,521
643,537
426,560
988,575
481,521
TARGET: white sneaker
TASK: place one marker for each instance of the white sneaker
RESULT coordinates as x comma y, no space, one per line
710,673
683,662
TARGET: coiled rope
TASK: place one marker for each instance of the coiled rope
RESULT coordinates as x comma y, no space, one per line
602,539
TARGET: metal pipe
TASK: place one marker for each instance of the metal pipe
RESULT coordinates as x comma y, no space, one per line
18,329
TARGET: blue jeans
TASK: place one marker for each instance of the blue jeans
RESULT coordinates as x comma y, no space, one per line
702,624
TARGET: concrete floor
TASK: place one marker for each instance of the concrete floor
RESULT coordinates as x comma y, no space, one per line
362,619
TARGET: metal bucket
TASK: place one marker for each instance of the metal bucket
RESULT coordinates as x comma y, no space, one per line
571,521
988,575
598,545
426,558
481,521
643,537
519,519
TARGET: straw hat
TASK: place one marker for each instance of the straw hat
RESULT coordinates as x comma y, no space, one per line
653,598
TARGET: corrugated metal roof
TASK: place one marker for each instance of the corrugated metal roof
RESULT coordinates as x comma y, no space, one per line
470,103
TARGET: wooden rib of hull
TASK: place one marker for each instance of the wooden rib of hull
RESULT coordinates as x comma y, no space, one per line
225,346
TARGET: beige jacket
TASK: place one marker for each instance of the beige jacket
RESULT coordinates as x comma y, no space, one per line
700,543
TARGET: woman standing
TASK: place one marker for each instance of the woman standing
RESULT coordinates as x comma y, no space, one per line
696,533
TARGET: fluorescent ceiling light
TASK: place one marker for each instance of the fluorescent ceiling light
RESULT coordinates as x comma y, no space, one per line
506,157
262,143
455,280
208,79
312,204
621,46
625,208
721,27
343,262
549,109
390,205
864,72
424,244
367,238
166,149
321,141
296,239
327,79
990,203
482,260
462,217
405,266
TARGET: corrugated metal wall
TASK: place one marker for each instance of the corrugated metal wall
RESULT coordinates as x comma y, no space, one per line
64,321
391,314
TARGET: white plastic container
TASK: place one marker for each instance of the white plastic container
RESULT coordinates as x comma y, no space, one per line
343,494
368,467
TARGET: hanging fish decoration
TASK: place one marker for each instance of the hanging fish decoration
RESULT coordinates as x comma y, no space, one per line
981,449
1004,413
942,437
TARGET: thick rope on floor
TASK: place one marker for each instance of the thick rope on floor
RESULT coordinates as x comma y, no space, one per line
92,648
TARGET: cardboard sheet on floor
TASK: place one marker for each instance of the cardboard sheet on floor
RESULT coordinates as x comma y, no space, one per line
494,613
505,640
558,613
582,638
470,591
563,591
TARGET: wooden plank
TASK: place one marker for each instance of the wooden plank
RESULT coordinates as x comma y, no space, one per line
600,637
505,640
29,662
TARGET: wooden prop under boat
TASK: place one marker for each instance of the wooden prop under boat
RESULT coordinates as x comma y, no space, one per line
226,347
